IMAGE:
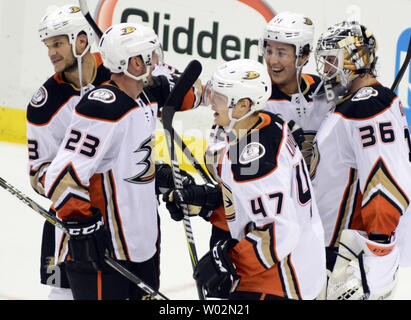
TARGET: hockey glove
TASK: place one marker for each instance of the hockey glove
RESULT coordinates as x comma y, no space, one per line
164,178
215,272
297,132
202,200
89,239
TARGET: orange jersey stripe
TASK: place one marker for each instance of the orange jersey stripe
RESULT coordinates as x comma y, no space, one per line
380,216
218,218
309,78
99,286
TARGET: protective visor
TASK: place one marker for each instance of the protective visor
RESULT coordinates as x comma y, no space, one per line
212,97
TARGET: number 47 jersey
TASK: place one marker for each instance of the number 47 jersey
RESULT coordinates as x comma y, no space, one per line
360,169
271,211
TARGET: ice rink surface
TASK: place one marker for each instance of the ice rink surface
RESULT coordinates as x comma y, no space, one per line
21,229
20,239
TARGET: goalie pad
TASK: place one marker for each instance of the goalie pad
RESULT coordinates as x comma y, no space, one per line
364,269
404,238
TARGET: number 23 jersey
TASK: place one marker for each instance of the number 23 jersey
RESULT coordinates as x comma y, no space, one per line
107,161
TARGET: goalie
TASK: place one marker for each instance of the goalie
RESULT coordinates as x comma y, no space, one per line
360,169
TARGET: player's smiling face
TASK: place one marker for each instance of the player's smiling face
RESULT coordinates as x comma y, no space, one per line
280,59
60,53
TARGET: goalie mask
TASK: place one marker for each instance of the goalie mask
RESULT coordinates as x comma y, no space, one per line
236,80
66,20
345,51
125,40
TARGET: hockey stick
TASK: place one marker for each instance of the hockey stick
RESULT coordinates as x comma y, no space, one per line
57,223
402,69
89,18
204,175
200,170
172,104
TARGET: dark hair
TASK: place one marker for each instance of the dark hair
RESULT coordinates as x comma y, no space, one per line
305,51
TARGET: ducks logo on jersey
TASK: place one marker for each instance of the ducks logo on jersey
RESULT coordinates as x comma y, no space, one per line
103,95
39,98
251,152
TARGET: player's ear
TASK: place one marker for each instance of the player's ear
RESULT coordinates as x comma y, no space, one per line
81,43
136,63
245,104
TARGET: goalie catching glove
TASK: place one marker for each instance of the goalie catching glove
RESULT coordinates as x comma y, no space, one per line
215,272
202,200
89,239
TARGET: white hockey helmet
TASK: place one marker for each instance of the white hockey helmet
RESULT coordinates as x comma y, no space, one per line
343,52
66,20
291,28
237,80
122,41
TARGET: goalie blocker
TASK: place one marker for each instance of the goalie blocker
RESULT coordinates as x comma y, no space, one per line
364,269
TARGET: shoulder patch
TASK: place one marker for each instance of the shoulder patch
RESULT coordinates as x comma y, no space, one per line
251,152
103,95
40,97
364,94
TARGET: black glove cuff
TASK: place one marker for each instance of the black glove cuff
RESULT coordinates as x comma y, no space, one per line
164,178
206,196
89,240
84,226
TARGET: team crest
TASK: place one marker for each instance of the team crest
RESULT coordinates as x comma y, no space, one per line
103,95
308,21
251,152
127,30
146,174
39,98
365,93
75,9
228,201
251,75
315,160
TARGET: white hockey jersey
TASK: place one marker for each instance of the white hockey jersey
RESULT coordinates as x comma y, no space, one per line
48,116
106,161
270,209
308,112
360,169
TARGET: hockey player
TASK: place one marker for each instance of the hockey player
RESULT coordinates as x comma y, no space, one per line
298,97
67,36
276,250
286,44
103,180
360,168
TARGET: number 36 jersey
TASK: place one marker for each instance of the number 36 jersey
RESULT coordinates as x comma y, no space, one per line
271,211
360,169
